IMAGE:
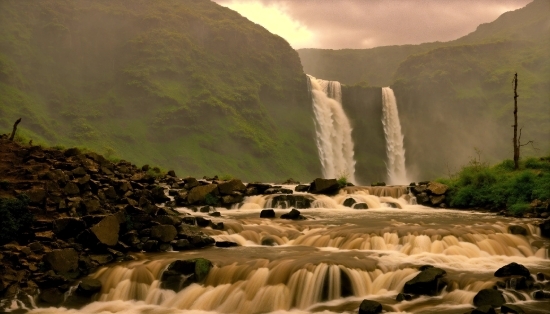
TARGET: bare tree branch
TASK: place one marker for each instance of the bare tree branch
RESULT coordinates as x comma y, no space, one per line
14,129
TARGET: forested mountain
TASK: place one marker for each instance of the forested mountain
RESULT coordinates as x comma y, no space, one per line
457,96
185,84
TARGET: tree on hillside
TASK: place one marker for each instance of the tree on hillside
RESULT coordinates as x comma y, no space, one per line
517,138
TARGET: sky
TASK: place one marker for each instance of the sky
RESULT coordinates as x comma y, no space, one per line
340,24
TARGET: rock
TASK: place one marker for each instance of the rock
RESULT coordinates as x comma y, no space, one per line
181,244
69,227
427,282
150,245
71,189
278,190
158,195
182,273
511,308
101,259
36,247
436,188
106,231
204,194
228,187
226,244
202,222
403,297
301,188
89,286
513,269
514,229
518,283
36,196
360,206
164,233
294,214
489,297
79,172
256,188
289,200
91,205
370,307
540,276
545,228
324,186
232,199
52,296
168,220
72,152
437,199
540,295
171,173
485,309
267,213
62,260
349,202
215,214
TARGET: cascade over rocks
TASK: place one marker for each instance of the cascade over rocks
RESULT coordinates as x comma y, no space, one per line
428,282
291,200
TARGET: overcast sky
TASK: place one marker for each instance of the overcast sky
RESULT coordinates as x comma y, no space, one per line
338,24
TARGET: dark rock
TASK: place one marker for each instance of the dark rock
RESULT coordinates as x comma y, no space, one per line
232,199
301,188
520,283
168,220
181,245
511,308
164,233
485,309
436,200
36,247
370,307
203,222
62,260
91,205
294,214
267,213
106,231
403,297
171,173
540,295
513,269
206,209
257,188
324,186
545,228
101,259
79,172
268,241
198,195
427,282
72,152
52,296
349,202
226,244
514,229
228,187
490,297
150,245
190,220
436,188
158,195
217,225
182,273
540,277
89,286
69,227
215,214
278,190
360,206
71,189
290,200
36,196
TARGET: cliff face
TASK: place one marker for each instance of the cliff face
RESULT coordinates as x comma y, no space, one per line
186,84
363,106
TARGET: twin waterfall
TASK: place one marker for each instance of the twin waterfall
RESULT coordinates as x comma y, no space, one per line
333,130
334,140
397,174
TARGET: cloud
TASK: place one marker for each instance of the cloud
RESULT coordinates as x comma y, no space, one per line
342,24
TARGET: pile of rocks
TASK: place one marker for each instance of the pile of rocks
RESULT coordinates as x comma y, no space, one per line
429,193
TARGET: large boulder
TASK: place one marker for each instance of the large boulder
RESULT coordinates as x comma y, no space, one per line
182,273
349,202
427,282
164,233
437,188
545,228
106,231
62,260
370,307
513,269
228,187
267,213
490,297
324,186
199,194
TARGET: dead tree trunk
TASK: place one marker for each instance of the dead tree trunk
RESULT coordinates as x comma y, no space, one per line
516,141
14,129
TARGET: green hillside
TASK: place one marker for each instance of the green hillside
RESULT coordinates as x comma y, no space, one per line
185,84
457,96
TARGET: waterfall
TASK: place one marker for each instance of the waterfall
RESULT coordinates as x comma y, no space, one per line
397,173
333,130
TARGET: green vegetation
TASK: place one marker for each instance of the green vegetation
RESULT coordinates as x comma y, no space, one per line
343,179
14,217
479,185
186,84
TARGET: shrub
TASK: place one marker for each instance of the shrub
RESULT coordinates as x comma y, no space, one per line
14,216
343,179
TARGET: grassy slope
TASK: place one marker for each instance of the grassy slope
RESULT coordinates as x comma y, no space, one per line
189,85
460,90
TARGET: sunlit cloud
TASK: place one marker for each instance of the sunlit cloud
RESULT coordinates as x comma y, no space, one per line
276,20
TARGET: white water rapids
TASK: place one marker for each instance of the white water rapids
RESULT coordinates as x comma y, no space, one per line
334,142
397,173
332,261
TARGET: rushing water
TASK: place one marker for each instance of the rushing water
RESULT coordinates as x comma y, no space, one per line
333,130
332,261
397,173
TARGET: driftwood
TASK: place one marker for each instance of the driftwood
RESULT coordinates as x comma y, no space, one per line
14,129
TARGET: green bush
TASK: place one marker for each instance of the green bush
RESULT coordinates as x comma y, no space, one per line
14,216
